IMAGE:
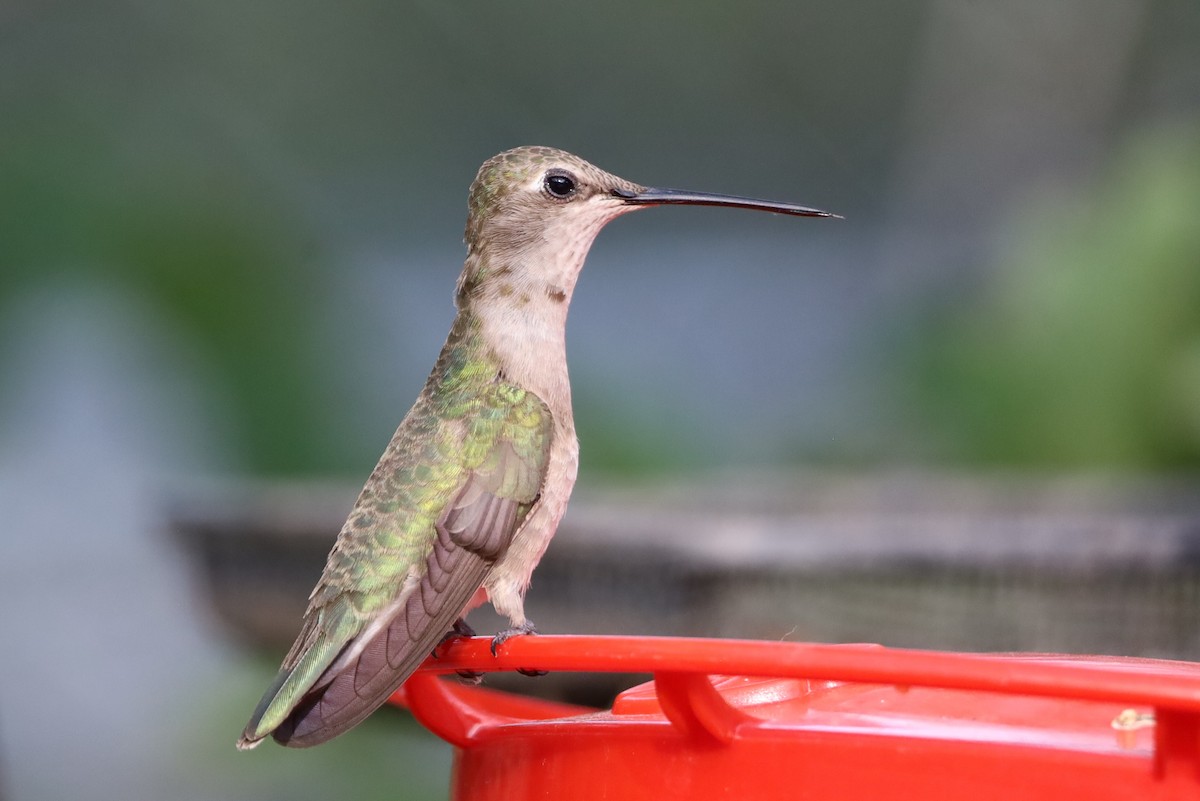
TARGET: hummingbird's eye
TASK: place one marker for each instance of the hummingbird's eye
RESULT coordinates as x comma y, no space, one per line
559,184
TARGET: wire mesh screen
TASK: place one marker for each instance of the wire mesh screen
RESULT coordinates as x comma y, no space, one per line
1141,608
1059,565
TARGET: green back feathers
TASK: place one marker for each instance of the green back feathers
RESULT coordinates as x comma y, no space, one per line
468,427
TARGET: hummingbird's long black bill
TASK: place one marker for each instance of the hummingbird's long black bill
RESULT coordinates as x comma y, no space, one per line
663,197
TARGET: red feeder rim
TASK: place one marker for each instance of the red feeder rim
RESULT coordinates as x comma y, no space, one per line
857,717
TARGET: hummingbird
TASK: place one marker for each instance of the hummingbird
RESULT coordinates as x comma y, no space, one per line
472,486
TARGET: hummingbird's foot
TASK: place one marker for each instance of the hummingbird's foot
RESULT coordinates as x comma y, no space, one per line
461,629
517,631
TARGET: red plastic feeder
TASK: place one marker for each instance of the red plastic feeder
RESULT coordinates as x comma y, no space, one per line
731,719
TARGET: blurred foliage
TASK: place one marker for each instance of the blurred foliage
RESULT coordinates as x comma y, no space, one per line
221,162
1085,351
647,440
207,248
226,162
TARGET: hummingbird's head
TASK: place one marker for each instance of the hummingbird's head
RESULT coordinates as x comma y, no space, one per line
531,197
533,213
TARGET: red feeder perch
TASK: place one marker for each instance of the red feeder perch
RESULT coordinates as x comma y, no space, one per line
729,719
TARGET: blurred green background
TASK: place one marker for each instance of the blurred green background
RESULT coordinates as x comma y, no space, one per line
229,235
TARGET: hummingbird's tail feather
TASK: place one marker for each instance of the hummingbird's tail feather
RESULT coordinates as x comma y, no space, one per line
322,639
352,688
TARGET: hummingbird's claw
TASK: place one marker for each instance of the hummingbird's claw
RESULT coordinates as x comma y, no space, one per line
516,631
531,673
460,630
472,677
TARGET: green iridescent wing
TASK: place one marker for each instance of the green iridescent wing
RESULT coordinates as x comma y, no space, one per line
442,506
